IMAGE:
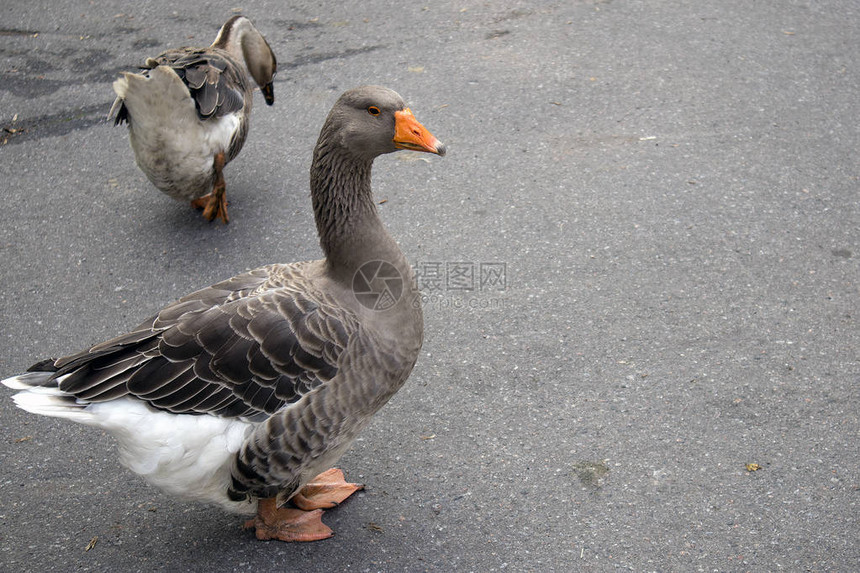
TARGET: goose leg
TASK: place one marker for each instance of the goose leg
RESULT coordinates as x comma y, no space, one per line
287,524
214,204
325,491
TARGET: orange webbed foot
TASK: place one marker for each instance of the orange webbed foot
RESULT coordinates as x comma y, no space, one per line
214,206
287,524
325,491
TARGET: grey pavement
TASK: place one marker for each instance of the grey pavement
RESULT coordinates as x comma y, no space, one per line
667,379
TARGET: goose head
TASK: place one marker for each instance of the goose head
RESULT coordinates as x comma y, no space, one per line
372,120
245,43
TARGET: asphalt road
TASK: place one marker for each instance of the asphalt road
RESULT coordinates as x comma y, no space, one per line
669,191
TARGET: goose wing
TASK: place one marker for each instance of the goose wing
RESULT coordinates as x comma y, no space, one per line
215,81
242,348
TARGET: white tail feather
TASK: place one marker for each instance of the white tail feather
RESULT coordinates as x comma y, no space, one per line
120,87
16,383
52,402
26,380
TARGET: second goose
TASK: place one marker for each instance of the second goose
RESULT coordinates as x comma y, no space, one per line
188,111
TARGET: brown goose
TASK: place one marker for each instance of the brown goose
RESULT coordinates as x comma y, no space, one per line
241,393
188,111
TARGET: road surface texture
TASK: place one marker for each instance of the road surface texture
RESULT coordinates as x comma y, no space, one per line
639,258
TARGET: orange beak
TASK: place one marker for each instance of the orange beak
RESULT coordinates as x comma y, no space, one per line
409,134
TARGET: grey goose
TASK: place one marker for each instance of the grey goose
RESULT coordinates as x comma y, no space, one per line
246,393
188,110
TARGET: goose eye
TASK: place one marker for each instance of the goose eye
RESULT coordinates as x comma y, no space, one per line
373,110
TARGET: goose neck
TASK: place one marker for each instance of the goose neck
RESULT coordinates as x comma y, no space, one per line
350,230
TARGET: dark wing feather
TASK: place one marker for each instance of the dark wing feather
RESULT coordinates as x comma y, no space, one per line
157,378
231,360
216,82
236,349
259,365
